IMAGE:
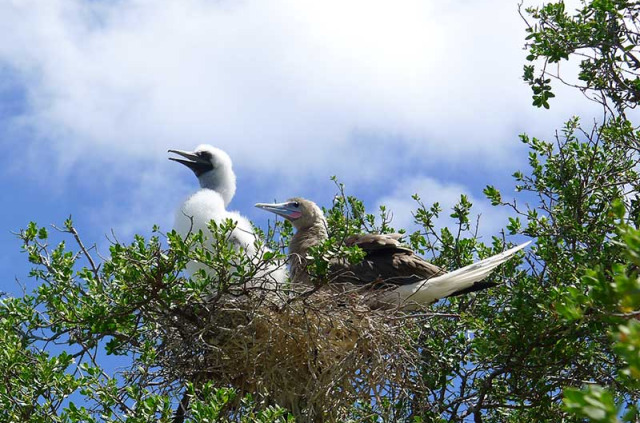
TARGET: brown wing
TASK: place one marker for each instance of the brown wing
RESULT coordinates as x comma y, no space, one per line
370,242
386,262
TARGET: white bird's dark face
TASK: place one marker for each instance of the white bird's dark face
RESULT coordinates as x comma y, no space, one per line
300,212
212,167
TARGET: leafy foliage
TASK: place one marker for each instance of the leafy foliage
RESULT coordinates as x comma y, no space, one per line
602,34
56,338
613,297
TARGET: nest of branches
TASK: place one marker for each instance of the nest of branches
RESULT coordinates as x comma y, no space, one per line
316,352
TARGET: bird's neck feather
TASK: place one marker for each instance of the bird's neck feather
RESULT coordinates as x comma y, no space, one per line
301,241
307,237
224,183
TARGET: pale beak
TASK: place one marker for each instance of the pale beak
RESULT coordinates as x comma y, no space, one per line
287,210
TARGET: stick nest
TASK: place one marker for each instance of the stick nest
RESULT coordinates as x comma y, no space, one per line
316,353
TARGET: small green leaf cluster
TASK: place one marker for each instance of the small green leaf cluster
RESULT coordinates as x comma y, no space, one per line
347,216
320,256
602,34
212,404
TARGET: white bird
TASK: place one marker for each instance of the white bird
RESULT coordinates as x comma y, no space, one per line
408,280
214,170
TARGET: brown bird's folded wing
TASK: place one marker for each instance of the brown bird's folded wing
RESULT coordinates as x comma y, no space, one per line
371,242
386,262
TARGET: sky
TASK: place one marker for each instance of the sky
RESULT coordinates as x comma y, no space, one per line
394,98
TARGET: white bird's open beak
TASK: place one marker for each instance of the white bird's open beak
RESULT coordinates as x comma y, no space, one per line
197,164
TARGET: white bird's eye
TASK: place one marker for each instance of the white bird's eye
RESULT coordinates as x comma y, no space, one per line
204,154
296,204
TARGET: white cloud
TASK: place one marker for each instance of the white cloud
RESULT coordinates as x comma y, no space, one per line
343,87
256,78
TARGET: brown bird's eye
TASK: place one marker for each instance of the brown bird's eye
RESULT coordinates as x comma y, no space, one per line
296,204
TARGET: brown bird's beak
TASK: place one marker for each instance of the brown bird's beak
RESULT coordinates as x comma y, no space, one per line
289,210
194,162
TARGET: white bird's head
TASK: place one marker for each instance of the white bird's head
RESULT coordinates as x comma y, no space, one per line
300,212
212,167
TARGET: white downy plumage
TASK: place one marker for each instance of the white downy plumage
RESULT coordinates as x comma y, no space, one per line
213,168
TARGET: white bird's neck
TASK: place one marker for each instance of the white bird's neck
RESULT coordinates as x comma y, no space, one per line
221,181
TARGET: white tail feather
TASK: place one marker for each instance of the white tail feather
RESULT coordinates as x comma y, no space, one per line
431,290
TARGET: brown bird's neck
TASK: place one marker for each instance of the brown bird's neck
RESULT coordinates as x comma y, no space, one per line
301,241
306,238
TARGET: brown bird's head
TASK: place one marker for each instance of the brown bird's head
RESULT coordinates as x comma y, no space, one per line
300,212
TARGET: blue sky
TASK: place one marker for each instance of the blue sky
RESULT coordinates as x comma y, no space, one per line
395,98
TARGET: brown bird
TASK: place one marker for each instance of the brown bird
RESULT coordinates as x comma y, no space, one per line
410,281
